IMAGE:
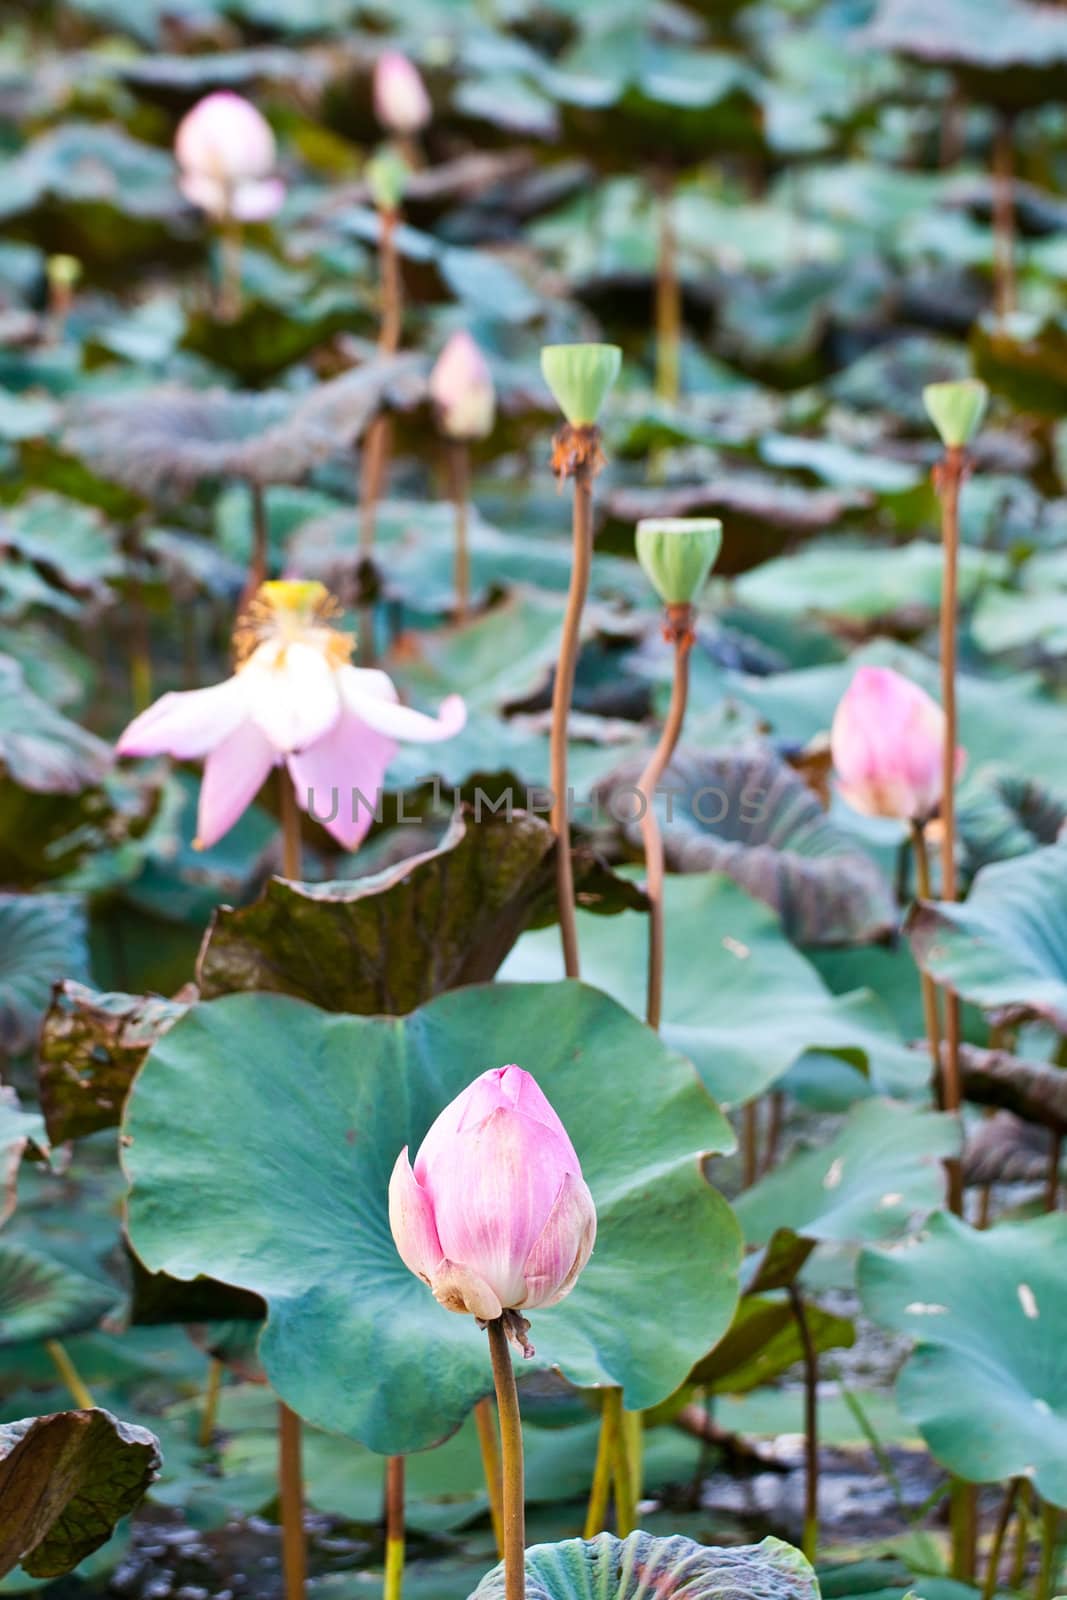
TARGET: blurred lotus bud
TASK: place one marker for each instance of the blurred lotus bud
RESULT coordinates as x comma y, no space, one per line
387,174
677,554
226,152
461,387
886,743
64,272
495,1214
956,409
580,376
401,103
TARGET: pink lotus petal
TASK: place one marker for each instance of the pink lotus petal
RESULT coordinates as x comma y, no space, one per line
225,137
186,725
401,103
461,387
363,694
234,773
886,743
338,779
293,694
459,1288
257,200
411,1221
565,1245
210,194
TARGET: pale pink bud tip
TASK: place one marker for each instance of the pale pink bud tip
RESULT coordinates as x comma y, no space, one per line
886,743
461,387
401,103
226,152
494,1215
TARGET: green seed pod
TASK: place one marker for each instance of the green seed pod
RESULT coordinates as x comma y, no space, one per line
387,174
580,376
64,271
677,553
956,409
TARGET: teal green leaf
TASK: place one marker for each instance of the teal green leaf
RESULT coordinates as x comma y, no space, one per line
606,1568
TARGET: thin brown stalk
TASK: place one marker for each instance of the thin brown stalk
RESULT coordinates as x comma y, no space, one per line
811,1424
459,488
1000,1533
394,1528
680,630
668,302
291,852
749,1144
489,1445
562,693
291,1496
229,304
507,1400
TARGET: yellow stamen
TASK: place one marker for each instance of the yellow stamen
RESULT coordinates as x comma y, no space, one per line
292,611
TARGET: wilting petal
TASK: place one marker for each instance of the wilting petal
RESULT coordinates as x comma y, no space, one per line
411,1221
363,693
338,779
257,199
459,1288
292,694
186,725
233,776
565,1245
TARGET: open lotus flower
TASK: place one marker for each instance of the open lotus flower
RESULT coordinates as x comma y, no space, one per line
401,103
461,387
294,698
886,744
495,1215
226,153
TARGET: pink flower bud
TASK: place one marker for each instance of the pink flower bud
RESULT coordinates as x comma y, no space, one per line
226,153
495,1214
401,103
886,744
461,387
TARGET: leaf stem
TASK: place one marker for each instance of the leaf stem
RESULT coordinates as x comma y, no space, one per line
209,1418
489,1444
963,1516
507,1399
627,1468
1000,1532
562,693
668,301
811,1424
291,1496
1049,1569
76,1385
597,1513
229,304
394,1528
680,630
459,482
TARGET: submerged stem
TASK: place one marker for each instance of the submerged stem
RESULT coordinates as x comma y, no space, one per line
562,692
507,1399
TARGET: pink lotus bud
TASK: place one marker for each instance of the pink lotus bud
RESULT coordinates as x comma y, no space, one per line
461,387
495,1215
886,743
401,103
226,153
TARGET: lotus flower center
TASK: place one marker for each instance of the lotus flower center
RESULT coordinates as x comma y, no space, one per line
291,611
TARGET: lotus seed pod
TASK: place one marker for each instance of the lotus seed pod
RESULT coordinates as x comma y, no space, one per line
387,175
580,376
677,554
956,409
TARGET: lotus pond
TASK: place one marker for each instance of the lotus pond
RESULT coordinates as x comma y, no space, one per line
533,771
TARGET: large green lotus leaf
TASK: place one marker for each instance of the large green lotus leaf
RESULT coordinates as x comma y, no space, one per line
69,540
43,1299
987,1382
725,954
42,939
390,941
746,813
40,749
90,1047
1005,946
65,1481
607,1568
880,1171
1009,52
1005,816
764,1341
860,583
260,1138
86,163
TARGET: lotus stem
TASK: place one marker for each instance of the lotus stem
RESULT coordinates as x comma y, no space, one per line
394,1528
625,1499
1049,1569
1004,216
489,1444
392,285
291,1496
947,482
811,1424
927,985
597,1512
679,629
631,1461
76,1385
749,1143
507,1400
259,567
291,851
210,1417
1022,1536
229,303
1000,1532
668,302
964,1521
459,480
774,1133
562,691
